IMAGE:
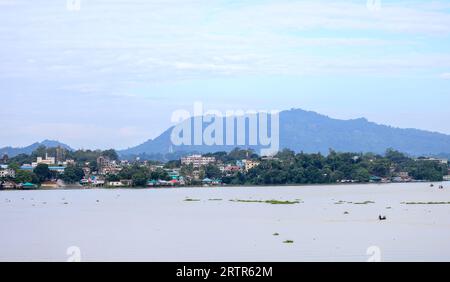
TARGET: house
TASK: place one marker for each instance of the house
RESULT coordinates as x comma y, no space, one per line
375,179
402,176
8,185
126,182
231,169
27,167
249,164
173,173
207,181
58,169
114,184
94,181
437,160
50,184
7,173
28,185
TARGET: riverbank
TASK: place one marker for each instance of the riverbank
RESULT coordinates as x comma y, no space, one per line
69,187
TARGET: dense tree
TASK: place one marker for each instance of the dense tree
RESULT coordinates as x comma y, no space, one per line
23,176
42,172
159,174
111,154
72,174
139,179
212,171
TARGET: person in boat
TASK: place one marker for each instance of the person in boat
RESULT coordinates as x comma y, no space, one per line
381,217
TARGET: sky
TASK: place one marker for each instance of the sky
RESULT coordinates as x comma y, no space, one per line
110,73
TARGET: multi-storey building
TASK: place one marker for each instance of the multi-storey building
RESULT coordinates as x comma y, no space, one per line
197,160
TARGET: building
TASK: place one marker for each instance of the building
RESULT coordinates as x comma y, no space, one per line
8,185
47,160
7,173
440,161
58,169
115,184
106,166
29,185
60,154
27,167
126,182
4,159
102,162
50,184
231,169
249,164
197,160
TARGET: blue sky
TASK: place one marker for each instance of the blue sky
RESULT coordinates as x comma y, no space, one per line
111,73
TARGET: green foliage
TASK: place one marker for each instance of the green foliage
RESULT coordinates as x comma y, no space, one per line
212,172
139,179
23,176
159,174
112,177
111,154
42,172
72,174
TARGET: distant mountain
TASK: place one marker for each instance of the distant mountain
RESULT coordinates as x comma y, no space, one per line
12,152
312,132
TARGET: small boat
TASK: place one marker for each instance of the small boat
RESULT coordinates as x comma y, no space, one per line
381,218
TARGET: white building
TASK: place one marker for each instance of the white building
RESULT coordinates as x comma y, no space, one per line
47,160
441,161
197,160
7,173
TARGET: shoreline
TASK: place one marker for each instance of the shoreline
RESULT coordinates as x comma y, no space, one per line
68,188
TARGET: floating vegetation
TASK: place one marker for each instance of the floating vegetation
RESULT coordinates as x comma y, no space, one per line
341,203
276,234
354,203
191,200
272,202
288,242
364,203
346,212
426,203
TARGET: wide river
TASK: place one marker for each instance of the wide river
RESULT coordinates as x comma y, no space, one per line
330,223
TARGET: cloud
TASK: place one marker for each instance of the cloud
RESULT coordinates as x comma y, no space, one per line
445,76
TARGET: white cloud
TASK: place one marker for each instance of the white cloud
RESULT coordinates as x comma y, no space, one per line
445,75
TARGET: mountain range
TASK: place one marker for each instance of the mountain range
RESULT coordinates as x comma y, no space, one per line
300,130
311,132
12,152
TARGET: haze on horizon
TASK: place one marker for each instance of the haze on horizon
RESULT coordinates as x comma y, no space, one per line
110,74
